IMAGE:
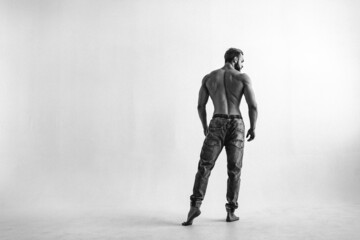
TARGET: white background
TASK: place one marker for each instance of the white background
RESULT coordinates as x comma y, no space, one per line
98,102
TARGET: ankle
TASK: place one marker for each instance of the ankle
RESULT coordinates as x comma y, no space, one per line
230,211
195,204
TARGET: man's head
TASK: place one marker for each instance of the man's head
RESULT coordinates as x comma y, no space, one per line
234,56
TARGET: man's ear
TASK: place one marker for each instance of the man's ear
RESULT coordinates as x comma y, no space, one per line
236,59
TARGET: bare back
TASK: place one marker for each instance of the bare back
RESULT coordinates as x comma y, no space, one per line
226,88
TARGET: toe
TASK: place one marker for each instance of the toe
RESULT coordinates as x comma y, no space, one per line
186,223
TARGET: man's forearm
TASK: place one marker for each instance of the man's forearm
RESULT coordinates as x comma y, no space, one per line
253,117
202,115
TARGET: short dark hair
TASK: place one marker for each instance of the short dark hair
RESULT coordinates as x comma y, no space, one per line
231,53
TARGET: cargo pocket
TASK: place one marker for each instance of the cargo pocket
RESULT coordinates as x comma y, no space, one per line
210,148
211,141
237,143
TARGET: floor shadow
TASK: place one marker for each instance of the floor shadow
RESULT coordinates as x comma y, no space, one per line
218,220
148,221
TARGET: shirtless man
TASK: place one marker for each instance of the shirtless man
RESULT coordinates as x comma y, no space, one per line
225,86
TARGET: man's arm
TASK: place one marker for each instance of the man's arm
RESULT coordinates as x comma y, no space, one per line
252,105
203,98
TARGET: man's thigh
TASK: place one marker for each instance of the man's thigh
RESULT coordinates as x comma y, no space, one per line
211,147
235,143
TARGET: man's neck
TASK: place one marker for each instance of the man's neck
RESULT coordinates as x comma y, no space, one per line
228,66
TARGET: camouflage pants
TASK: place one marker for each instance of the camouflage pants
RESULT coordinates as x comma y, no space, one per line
228,131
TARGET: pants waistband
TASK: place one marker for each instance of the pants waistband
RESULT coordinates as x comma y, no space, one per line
227,116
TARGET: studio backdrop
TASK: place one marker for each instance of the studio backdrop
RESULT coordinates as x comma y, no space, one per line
98,102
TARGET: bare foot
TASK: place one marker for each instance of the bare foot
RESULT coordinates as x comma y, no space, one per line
231,217
193,213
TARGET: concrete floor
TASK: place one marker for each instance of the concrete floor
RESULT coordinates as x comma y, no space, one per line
339,222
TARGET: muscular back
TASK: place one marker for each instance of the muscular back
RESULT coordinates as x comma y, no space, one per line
226,88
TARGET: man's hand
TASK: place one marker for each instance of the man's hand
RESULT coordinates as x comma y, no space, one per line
206,130
250,134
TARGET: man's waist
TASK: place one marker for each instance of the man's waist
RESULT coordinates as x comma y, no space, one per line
227,116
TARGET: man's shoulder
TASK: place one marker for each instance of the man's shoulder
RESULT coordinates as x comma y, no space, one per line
243,77
205,78
212,73
209,76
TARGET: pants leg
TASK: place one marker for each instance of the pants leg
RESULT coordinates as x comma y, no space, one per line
210,151
234,150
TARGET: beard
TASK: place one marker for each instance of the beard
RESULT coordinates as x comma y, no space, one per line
237,67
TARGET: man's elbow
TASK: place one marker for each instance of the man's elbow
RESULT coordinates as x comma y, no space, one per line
200,107
253,107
